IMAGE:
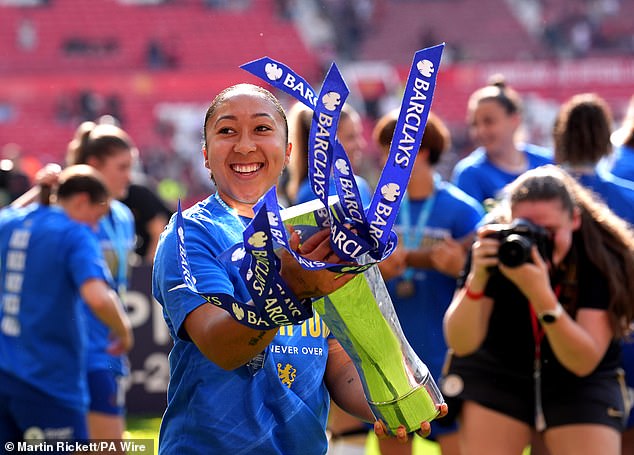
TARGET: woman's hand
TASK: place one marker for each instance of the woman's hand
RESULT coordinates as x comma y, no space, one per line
48,175
381,431
484,255
532,278
448,257
312,283
394,265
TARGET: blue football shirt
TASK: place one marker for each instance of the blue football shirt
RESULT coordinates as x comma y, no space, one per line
283,407
45,258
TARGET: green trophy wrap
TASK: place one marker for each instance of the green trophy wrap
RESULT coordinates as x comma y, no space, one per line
397,384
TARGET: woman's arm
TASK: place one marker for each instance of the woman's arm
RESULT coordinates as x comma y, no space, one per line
230,344
447,256
344,384
45,179
222,340
466,321
106,305
579,344
154,227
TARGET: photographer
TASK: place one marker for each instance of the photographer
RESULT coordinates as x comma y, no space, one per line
536,343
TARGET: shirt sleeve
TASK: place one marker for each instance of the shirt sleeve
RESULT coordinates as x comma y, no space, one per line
207,273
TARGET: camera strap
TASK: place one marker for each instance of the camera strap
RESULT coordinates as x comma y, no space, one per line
538,336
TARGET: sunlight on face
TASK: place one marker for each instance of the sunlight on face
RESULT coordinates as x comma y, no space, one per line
246,148
117,172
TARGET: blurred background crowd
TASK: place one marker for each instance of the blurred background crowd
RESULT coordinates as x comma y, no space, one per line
155,64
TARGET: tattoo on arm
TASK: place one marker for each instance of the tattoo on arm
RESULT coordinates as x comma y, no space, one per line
255,340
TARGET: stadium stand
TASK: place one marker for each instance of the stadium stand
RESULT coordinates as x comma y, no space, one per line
104,47
63,61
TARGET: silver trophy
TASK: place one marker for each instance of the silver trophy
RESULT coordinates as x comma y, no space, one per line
397,384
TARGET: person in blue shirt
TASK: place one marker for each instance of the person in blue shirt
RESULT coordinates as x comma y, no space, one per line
349,134
495,118
622,164
50,257
236,389
581,136
436,225
110,150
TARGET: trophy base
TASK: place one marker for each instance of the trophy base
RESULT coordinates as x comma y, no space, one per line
419,405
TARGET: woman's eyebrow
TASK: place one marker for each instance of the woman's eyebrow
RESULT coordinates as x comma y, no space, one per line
233,117
225,117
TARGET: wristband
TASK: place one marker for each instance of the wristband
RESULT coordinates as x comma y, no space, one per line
473,295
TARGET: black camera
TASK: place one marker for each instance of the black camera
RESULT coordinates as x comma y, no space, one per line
516,240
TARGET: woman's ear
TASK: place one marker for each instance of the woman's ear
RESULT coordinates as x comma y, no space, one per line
287,157
206,158
576,218
95,162
516,120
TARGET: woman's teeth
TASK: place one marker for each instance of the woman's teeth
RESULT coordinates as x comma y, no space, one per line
246,168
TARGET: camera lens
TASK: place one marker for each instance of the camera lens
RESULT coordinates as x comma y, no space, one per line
515,250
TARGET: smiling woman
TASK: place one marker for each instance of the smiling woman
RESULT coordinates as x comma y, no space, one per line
249,137
494,113
261,389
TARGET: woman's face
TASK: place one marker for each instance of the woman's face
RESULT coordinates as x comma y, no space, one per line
492,127
246,149
552,216
117,170
350,135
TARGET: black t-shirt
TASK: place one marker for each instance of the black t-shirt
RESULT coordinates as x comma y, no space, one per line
509,342
145,205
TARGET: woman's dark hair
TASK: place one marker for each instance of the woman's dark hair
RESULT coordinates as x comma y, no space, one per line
582,130
97,140
607,239
243,88
497,91
436,137
82,178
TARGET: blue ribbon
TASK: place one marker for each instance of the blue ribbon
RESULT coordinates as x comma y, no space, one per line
324,150
344,219
282,78
370,232
267,209
408,134
273,303
261,272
